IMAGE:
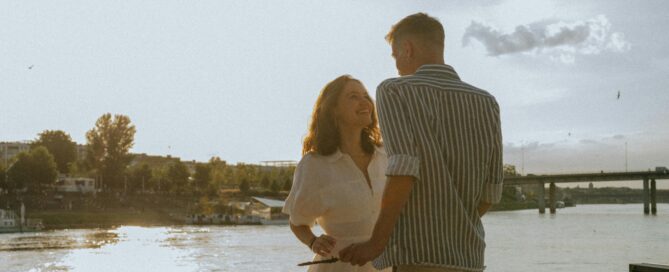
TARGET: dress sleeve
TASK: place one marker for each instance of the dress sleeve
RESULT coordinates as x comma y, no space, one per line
304,203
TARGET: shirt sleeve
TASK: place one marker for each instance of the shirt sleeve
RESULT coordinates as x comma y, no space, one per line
304,203
492,189
398,138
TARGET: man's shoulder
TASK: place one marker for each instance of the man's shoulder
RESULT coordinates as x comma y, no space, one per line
388,83
410,81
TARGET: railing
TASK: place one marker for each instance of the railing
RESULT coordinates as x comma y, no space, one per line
644,267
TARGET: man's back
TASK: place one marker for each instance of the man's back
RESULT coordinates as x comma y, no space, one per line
447,135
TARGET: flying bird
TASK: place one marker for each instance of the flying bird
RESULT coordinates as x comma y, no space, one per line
618,95
31,67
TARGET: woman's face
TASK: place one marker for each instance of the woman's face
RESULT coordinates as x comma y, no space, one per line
354,107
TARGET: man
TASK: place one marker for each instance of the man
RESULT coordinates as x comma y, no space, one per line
444,146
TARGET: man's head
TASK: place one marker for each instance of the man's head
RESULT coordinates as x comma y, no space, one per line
416,40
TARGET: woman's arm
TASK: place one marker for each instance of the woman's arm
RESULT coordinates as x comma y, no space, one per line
321,245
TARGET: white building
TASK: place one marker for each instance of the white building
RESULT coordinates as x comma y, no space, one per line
10,149
269,210
75,185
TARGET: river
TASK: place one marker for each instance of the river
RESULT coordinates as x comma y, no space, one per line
582,238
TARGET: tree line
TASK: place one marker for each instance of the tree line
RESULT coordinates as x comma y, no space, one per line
108,160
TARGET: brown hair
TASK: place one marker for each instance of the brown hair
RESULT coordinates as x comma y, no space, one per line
420,25
323,136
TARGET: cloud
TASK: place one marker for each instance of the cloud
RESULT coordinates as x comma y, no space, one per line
561,41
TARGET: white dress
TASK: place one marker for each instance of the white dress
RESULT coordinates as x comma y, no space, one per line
332,191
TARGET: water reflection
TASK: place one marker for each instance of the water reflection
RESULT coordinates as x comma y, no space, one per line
585,238
41,241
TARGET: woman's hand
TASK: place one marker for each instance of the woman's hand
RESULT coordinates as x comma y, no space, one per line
323,245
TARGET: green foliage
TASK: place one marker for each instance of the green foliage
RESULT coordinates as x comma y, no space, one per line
244,186
202,177
32,170
3,184
274,187
109,143
140,175
510,170
60,145
158,181
265,182
177,178
204,206
287,185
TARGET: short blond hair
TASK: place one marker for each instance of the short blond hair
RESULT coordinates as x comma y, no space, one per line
420,25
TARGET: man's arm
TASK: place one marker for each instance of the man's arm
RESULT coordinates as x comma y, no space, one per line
395,196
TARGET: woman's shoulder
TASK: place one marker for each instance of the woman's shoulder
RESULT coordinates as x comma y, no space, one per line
311,160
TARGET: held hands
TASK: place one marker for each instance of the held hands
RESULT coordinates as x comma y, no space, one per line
323,245
361,253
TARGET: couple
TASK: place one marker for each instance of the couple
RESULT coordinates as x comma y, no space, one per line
414,203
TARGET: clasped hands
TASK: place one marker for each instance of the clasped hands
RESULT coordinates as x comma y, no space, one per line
355,254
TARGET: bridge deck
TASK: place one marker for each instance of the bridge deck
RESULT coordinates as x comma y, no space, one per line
593,177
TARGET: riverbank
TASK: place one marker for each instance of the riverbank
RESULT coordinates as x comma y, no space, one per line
108,219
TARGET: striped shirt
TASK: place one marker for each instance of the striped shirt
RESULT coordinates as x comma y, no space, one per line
445,133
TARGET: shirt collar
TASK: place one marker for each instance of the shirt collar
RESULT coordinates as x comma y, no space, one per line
338,154
334,156
437,70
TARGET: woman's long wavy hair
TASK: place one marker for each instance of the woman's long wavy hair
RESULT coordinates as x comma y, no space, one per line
323,136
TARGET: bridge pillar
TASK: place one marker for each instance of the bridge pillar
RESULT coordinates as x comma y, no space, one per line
646,209
551,197
541,202
653,202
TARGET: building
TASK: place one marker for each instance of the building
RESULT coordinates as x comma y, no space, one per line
76,185
10,149
269,210
81,151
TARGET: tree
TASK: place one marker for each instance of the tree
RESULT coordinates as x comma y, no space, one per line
265,182
510,170
274,187
177,177
60,145
3,184
202,177
287,185
109,143
244,186
33,170
140,177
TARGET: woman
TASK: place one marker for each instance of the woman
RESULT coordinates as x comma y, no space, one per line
340,179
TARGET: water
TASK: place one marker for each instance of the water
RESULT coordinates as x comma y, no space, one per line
584,238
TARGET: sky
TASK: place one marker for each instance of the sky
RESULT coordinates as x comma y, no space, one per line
238,79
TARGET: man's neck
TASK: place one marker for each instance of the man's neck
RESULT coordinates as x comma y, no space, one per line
428,61
431,60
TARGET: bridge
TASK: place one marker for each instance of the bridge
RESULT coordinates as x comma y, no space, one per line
648,178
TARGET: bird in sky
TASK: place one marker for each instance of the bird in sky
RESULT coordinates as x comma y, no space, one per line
31,67
618,95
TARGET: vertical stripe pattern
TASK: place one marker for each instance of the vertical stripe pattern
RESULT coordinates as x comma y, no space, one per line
447,134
